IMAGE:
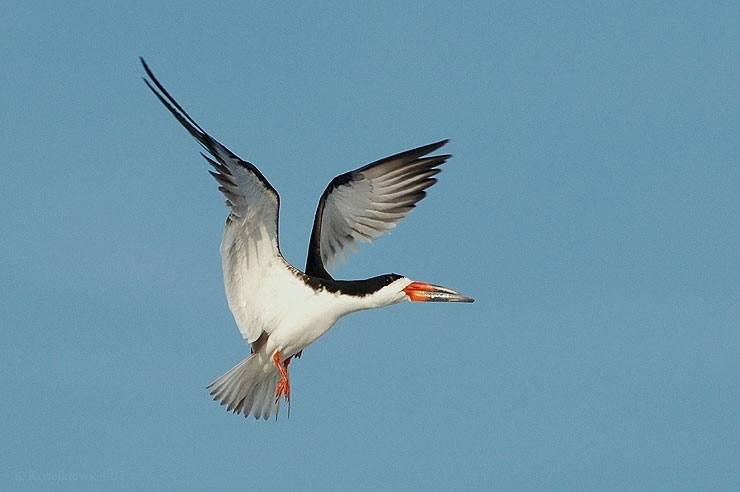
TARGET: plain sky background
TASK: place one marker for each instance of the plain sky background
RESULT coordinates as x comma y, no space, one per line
592,208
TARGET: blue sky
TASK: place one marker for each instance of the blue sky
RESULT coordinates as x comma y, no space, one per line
592,208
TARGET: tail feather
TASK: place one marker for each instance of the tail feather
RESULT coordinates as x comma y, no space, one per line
248,388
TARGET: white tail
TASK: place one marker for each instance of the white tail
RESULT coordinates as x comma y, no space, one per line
249,388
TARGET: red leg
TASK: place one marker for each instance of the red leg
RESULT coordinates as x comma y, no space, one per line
283,386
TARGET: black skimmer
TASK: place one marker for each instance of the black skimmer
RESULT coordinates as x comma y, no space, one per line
279,309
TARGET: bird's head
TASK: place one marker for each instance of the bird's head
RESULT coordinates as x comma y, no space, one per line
394,288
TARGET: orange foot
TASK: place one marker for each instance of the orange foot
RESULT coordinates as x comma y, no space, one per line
283,386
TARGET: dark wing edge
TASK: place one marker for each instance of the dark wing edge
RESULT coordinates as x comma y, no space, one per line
222,158
396,184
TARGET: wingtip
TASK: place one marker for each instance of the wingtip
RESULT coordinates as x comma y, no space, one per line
441,143
144,64
429,148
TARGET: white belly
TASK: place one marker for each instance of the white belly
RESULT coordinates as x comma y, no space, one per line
307,320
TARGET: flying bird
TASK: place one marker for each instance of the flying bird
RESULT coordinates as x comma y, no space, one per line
279,309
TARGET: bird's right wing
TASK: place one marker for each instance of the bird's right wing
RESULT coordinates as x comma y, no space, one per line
249,250
365,203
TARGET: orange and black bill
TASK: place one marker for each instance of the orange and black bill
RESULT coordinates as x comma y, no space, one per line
423,292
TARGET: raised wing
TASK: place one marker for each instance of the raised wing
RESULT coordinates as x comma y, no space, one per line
249,249
365,203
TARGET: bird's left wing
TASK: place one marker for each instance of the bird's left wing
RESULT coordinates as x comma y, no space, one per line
365,203
249,250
